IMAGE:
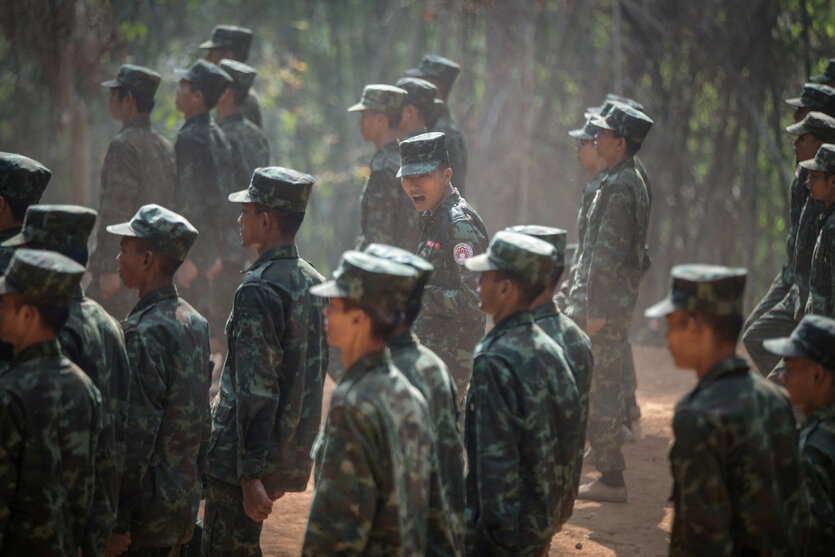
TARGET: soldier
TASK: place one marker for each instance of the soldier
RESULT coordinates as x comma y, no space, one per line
250,150
168,350
233,42
568,335
269,407
737,481
386,213
821,299
50,416
523,413
810,381
451,232
773,319
22,181
92,340
605,290
374,458
430,375
828,75
139,168
441,72
418,107
205,171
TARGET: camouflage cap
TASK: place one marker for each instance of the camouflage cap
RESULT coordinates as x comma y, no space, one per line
242,75
521,256
231,37
827,75
437,67
824,160
21,178
384,251
371,281
381,98
815,96
136,78
625,121
277,187
419,93
554,236
206,77
587,132
820,125
166,231
711,289
422,153
55,225
44,277
813,339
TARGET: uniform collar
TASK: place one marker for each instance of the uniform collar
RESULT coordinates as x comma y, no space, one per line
231,119
368,363
151,298
39,350
279,252
139,122
519,319
9,232
822,414
723,367
202,118
547,309
447,204
405,339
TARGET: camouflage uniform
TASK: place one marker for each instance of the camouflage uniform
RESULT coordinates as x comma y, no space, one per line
168,350
92,340
523,413
139,168
821,296
828,76
387,215
445,71
238,40
22,179
268,410
49,425
378,503
430,375
205,172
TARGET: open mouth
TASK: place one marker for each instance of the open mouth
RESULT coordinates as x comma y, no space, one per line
418,199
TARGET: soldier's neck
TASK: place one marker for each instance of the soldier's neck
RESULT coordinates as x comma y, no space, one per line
154,282
598,167
360,348
709,358
35,336
225,112
129,114
547,296
273,242
191,113
385,138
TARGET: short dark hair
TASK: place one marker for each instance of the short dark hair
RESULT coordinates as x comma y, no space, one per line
144,103
393,118
17,207
288,222
209,98
556,275
239,94
632,147
528,292
383,322
725,327
53,317
167,264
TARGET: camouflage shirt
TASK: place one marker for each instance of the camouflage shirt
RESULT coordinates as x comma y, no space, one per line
450,320
428,374
269,406
522,435
139,168
387,214
374,466
737,480
821,298
252,109
812,219
799,195
93,340
612,260
817,447
168,350
205,176
6,252
455,145
49,425
576,347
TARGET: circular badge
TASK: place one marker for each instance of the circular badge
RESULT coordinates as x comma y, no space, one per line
462,252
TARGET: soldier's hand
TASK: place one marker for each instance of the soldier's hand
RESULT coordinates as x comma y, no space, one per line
216,267
117,544
109,284
186,273
594,324
275,495
257,504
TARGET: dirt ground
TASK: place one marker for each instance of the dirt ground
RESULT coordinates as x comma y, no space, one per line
639,527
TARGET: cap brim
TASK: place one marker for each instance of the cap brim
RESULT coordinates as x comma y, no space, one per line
661,309
5,287
121,229
209,44
580,134
111,83
480,263
327,290
812,164
784,347
600,122
358,107
16,240
795,102
240,197
413,72
180,73
797,129
417,168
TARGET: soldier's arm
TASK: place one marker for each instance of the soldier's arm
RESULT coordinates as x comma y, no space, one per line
703,511
12,427
258,358
345,498
818,464
492,451
195,175
381,197
148,357
451,299
613,246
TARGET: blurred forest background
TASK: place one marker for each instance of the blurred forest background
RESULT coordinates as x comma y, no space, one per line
712,74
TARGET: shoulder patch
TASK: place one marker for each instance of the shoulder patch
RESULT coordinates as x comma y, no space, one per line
461,252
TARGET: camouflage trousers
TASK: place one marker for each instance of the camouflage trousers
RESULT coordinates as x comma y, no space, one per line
773,317
454,345
224,286
227,530
606,397
630,385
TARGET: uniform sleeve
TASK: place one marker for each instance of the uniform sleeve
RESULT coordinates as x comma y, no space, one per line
11,446
149,384
345,499
195,174
259,326
380,198
702,522
613,246
492,431
818,464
